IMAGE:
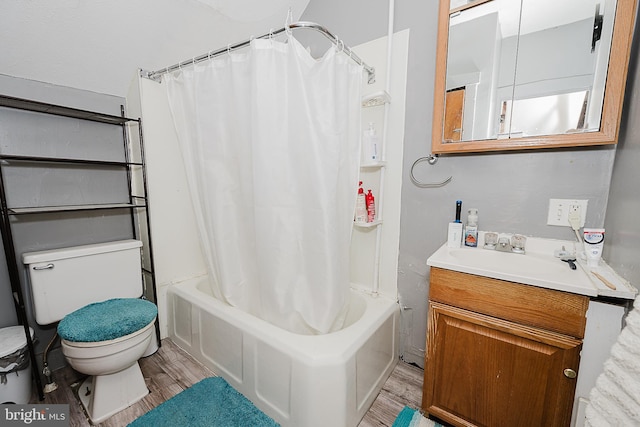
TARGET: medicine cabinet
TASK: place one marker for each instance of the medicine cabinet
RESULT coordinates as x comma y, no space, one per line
523,74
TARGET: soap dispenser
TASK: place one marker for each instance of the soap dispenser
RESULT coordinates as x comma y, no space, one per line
371,144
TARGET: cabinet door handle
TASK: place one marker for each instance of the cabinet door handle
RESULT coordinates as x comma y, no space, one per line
44,267
570,373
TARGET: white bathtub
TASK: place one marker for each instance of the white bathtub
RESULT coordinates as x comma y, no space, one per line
298,380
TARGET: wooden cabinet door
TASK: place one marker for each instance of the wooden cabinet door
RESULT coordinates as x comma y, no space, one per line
484,371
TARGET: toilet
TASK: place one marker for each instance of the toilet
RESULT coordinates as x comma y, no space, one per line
94,292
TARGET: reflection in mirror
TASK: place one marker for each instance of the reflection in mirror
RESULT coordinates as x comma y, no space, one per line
562,49
511,60
544,115
477,67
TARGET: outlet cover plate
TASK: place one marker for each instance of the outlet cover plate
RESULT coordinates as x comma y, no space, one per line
559,211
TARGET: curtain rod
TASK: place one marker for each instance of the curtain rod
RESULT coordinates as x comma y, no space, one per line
157,75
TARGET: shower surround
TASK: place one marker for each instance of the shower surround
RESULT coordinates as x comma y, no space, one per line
283,373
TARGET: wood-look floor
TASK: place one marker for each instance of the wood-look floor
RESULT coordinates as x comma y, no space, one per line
171,370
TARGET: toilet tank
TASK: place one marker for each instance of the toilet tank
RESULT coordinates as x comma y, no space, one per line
64,280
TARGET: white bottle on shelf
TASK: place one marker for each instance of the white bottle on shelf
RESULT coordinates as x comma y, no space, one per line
371,144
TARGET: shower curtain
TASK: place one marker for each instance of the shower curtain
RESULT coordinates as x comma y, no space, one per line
270,140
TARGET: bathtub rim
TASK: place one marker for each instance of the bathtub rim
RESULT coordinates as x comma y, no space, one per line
307,347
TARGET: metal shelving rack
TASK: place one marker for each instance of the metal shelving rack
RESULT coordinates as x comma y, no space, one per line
136,202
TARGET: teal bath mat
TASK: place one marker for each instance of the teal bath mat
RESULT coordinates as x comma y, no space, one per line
411,418
212,402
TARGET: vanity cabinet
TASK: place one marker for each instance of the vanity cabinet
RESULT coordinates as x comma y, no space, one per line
501,353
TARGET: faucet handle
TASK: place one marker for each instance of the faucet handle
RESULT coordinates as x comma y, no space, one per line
518,242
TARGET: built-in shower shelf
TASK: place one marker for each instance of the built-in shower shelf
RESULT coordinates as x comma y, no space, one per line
373,165
368,224
71,208
376,98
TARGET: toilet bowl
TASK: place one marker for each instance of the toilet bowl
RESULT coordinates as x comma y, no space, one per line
116,381
94,292
107,357
105,340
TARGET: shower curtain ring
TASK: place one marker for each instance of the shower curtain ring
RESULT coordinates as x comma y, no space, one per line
340,45
271,34
288,21
229,49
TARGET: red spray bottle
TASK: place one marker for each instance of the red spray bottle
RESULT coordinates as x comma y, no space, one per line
371,206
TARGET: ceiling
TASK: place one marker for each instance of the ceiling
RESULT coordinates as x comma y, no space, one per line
99,45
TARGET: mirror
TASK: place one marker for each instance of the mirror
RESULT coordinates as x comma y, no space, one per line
519,74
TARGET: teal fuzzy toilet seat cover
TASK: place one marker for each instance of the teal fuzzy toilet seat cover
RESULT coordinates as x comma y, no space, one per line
107,320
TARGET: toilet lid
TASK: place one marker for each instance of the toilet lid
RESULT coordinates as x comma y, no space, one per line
107,320
12,339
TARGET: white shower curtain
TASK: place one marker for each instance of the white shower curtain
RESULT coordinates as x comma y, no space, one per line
271,146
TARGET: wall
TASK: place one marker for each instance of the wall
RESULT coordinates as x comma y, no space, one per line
37,134
510,190
177,254
622,245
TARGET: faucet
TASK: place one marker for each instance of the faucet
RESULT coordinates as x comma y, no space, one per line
504,244
509,243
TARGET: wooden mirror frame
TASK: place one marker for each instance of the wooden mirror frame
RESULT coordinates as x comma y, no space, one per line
611,108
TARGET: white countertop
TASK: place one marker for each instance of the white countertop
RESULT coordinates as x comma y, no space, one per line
537,267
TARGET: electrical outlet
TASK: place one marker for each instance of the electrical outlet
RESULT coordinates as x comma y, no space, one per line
559,210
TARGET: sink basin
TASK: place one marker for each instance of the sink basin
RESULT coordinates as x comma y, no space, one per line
537,267
532,268
527,264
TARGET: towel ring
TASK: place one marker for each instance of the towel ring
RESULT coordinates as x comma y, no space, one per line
432,159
